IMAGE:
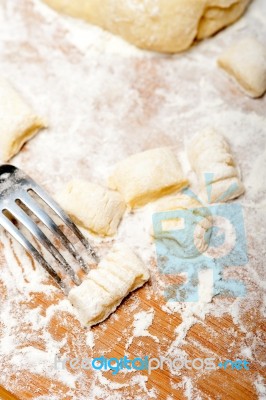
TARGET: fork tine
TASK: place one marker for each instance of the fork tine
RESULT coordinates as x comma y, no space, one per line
21,216
64,217
10,228
28,201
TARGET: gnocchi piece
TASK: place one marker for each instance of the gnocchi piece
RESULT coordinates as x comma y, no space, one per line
194,229
105,287
145,176
246,62
92,206
17,120
211,159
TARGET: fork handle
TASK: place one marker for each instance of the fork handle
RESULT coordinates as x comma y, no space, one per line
6,171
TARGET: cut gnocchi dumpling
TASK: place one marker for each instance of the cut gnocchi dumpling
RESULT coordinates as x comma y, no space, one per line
246,62
146,176
218,175
92,206
190,230
17,120
118,274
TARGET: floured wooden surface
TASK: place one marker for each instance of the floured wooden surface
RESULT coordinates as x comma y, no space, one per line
103,101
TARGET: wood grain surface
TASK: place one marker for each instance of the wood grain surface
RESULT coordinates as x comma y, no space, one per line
209,338
100,107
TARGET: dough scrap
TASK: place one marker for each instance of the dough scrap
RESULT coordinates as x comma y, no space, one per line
246,62
146,176
105,287
209,153
92,206
161,25
190,241
17,120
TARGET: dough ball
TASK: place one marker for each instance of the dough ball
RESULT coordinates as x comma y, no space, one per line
105,287
17,120
92,206
211,159
146,176
161,25
219,14
192,230
246,62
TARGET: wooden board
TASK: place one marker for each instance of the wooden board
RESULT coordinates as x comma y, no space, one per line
210,338
102,105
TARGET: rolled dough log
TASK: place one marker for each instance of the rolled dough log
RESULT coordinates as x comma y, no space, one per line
246,62
92,206
211,159
18,123
162,25
197,237
105,287
146,176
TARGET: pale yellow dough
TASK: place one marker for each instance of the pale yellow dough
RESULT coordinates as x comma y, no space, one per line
246,62
209,153
162,25
92,206
198,236
18,122
118,274
145,176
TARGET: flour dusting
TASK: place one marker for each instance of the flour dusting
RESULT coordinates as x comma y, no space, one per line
104,100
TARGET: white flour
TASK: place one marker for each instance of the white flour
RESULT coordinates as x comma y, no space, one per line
103,100
142,321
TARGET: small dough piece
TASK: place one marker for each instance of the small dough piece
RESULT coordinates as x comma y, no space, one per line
246,62
17,121
211,159
196,238
105,287
92,206
145,176
160,25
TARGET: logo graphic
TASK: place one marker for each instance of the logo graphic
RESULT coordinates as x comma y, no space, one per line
238,364
193,239
147,363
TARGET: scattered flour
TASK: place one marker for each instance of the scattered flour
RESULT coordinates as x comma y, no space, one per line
90,339
142,321
104,100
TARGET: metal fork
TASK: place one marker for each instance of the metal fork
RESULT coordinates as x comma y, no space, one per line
15,186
